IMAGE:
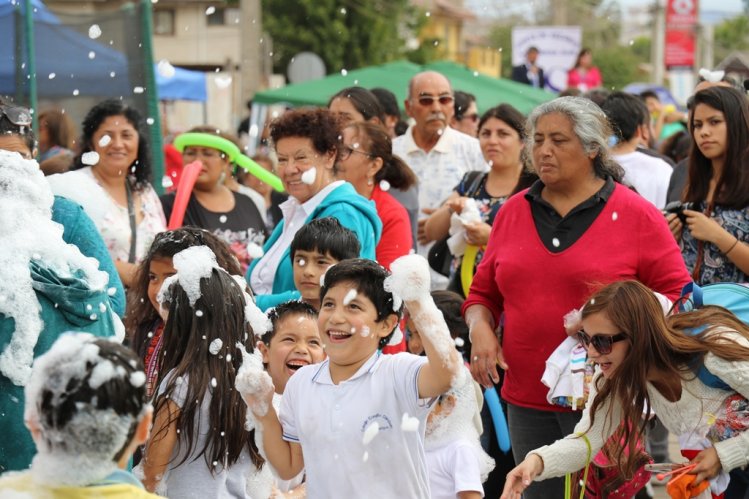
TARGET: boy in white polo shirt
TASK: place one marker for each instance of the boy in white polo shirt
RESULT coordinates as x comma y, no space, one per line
356,421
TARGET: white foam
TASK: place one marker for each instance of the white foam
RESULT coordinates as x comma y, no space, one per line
94,31
309,176
90,158
215,347
253,382
105,140
255,251
166,69
192,264
384,185
409,423
137,379
370,432
350,296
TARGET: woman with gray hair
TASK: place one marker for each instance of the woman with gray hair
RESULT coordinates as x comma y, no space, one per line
576,229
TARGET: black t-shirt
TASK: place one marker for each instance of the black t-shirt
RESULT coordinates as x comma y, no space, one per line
239,227
559,233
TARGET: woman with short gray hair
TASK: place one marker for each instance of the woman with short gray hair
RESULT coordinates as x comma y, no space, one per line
576,229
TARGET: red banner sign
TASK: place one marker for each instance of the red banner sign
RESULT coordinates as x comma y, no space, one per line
681,25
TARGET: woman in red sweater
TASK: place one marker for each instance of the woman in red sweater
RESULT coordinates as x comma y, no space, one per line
367,162
577,228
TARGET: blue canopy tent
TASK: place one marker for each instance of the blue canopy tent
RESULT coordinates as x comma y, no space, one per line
183,85
63,61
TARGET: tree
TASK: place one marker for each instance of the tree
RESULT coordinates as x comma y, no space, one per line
731,35
346,34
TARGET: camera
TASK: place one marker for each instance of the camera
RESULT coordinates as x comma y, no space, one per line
678,207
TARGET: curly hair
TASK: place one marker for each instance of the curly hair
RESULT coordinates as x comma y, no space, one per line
140,172
317,124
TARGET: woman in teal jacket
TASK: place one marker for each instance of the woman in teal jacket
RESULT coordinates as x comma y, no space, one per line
307,144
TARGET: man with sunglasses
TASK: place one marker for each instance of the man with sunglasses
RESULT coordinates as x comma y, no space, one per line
438,154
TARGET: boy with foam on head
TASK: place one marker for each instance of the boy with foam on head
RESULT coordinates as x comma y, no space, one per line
360,413
292,342
86,409
316,246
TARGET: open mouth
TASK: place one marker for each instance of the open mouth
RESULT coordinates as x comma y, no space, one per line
338,336
295,365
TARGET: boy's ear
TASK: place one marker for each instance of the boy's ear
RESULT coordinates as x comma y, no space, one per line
263,350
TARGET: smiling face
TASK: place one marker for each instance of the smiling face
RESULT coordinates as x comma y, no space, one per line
158,270
295,343
349,329
297,155
118,152
710,132
213,162
558,155
599,324
308,267
500,143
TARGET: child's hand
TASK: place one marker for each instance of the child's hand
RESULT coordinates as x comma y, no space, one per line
253,383
409,279
708,465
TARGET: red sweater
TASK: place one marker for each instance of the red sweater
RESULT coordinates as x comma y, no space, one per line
396,240
534,288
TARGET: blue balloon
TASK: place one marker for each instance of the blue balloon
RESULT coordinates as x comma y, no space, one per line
498,417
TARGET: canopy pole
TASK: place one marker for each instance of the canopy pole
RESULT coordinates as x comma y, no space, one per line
31,63
152,97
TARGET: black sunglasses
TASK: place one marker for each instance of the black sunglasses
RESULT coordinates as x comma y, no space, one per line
603,343
19,116
428,100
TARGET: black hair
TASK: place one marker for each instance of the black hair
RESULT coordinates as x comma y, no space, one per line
141,317
140,171
450,303
394,170
649,94
8,128
677,146
117,393
732,188
388,101
188,354
626,113
532,48
316,124
326,236
363,101
461,102
583,52
597,95
508,114
369,278
284,310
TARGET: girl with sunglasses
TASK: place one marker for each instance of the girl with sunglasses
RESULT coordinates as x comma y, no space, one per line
647,361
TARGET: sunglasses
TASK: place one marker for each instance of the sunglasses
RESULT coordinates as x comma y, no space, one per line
19,116
601,342
428,100
472,117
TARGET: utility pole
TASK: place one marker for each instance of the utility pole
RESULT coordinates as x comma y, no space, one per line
658,42
251,67
559,12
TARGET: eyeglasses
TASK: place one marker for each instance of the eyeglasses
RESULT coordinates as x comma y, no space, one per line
19,116
428,100
346,153
603,343
473,117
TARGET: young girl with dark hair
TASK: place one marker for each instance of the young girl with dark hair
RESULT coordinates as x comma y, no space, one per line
144,323
645,362
111,179
199,445
713,242
366,161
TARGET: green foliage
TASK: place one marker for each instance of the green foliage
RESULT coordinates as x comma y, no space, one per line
500,37
731,35
618,66
344,33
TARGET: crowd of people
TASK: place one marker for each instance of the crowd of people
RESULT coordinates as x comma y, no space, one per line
335,333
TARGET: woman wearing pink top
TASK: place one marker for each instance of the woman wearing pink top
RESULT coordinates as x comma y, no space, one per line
584,75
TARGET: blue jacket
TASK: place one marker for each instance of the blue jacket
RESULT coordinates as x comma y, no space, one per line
66,304
344,204
80,231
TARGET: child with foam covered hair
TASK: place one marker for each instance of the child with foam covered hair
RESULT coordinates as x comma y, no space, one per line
87,412
359,412
457,464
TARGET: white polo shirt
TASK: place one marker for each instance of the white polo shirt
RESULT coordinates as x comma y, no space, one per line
440,170
648,174
329,421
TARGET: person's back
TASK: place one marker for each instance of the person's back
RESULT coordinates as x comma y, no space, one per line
48,287
87,411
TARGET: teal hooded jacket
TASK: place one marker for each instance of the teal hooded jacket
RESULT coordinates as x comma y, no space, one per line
67,304
353,211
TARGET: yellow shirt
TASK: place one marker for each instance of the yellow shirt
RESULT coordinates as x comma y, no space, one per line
22,483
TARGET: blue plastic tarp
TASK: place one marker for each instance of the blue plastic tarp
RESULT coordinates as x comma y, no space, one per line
184,85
